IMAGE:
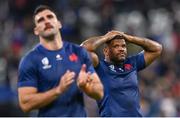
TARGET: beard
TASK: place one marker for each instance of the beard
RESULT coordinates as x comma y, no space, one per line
49,35
116,59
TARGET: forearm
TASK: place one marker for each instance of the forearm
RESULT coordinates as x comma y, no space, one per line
147,44
38,100
94,88
93,43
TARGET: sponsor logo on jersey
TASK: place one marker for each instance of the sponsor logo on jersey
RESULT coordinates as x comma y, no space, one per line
58,57
45,62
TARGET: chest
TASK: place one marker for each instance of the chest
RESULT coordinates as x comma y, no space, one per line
52,67
117,81
122,81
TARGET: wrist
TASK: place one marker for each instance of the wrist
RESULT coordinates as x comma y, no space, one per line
129,38
57,91
105,38
83,87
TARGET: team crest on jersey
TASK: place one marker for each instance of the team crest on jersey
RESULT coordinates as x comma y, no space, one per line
73,57
128,66
45,62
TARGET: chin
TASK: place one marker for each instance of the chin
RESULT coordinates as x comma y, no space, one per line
48,35
122,59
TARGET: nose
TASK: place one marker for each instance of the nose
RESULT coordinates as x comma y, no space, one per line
47,23
121,48
47,20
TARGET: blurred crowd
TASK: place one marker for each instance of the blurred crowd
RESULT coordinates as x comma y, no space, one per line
158,20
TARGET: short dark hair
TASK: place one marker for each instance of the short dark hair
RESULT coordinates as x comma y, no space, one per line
41,8
116,37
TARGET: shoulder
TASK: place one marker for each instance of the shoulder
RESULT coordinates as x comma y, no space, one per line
29,58
135,56
101,64
137,60
74,47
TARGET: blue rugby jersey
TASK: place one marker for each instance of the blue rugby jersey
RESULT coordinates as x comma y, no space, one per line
121,97
42,68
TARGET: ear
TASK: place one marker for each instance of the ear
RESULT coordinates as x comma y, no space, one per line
59,24
36,31
106,51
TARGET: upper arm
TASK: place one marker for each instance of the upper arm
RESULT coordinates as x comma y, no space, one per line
95,59
93,55
155,52
27,73
149,57
90,58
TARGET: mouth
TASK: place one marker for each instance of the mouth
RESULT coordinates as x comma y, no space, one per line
121,54
48,27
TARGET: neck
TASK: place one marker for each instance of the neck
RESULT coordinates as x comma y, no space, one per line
52,43
120,63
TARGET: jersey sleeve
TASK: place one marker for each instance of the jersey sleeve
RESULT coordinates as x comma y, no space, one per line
87,60
27,75
140,61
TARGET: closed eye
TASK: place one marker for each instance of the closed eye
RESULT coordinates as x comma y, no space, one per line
40,20
50,16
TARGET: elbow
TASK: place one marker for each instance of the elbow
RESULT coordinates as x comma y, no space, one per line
159,49
88,46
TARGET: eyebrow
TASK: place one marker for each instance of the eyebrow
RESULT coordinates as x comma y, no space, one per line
50,16
40,19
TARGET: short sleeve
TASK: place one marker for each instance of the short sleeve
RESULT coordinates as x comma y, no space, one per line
27,75
140,61
87,60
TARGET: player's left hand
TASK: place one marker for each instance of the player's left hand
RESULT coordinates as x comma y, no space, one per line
84,78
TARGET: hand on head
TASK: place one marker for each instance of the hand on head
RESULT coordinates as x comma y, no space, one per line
113,33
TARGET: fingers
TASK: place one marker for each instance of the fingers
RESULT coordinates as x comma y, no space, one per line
89,77
66,80
84,80
83,68
111,34
68,77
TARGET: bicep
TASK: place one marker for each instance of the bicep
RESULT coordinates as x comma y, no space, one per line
149,57
95,59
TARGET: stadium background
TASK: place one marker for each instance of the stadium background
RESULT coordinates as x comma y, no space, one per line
155,19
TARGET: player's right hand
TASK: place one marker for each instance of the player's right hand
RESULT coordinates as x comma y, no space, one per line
111,34
66,80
